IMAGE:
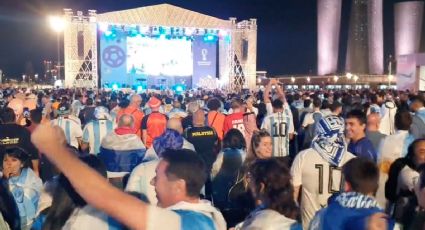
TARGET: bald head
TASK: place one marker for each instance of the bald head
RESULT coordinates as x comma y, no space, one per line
175,124
373,121
126,121
135,100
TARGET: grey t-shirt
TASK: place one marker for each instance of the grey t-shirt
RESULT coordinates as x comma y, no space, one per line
375,137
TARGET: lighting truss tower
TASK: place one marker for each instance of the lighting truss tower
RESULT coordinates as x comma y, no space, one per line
80,49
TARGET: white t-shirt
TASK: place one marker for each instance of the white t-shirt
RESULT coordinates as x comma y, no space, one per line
140,179
318,180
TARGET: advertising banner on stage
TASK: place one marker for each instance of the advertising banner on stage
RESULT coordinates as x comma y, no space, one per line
113,58
406,73
204,63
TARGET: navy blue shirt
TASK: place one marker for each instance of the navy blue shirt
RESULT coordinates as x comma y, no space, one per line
363,148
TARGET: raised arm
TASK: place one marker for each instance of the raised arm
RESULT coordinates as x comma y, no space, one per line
87,182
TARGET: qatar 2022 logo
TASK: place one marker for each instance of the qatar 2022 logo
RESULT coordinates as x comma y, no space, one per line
113,56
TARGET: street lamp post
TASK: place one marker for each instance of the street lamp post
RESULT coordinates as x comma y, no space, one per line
57,23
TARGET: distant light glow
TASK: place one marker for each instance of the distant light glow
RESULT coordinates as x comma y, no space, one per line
57,23
115,86
103,27
139,88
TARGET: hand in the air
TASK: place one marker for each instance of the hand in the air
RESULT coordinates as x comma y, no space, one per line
48,138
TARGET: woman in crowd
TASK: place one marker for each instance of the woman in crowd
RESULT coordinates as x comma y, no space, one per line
225,172
261,146
403,175
70,211
24,185
270,183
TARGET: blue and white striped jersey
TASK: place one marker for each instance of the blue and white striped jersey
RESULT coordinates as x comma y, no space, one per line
71,127
95,131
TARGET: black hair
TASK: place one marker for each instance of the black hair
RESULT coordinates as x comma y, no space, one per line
403,120
20,154
278,190
66,199
307,103
234,139
335,105
213,104
359,115
317,103
417,98
7,115
89,101
182,164
277,104
362,174
36,115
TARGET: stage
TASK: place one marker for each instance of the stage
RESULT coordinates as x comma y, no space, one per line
160,46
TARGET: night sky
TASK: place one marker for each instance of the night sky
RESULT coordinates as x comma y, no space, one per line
286,29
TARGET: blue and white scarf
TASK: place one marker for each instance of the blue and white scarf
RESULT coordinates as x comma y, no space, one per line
329,141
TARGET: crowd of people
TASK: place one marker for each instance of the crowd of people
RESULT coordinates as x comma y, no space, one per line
209,159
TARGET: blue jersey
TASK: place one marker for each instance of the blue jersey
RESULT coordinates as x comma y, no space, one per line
363,148
94,132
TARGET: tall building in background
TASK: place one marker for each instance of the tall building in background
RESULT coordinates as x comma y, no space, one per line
328,29
365,38
408,19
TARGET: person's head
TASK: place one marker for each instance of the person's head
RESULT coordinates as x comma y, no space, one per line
336,108
36,115
126,121
14,160
361,175
307,103
270,183
176,124
66,199
198,118
89,101
213,104
355,125
236,105
177,104
154,103
7,115
402,120
180,176
234,140
135,100
192,107
416,153
277,105
373,121
317,103
416,102
261,145
170,139
64,109
101,112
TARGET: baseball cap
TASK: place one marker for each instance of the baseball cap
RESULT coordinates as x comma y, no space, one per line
154,102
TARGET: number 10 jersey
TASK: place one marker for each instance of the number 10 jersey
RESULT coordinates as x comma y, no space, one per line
279,125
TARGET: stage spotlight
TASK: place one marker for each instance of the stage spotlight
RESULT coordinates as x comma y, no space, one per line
222,33
57,23
209,38
103,27
115,87
139,88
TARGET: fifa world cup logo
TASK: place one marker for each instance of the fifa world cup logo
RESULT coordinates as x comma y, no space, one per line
204,53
